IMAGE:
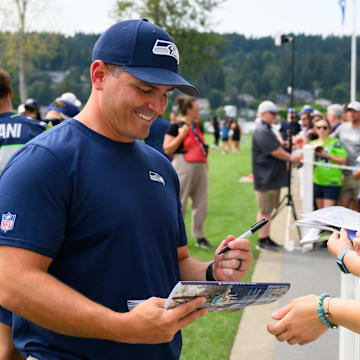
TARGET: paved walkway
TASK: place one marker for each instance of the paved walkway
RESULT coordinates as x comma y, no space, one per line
313,272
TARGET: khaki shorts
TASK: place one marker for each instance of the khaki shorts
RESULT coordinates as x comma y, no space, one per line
267,200
349,189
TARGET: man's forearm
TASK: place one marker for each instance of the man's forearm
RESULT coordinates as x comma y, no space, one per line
57,307
281,154
192,269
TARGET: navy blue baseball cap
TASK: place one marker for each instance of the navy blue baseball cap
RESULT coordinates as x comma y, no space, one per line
65,107
31,104
145,51
306,109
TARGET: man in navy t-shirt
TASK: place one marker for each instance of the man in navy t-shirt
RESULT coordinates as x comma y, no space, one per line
15,131
107,227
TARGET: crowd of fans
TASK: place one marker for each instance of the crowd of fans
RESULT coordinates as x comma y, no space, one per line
230,132
62,108
334,135
335,138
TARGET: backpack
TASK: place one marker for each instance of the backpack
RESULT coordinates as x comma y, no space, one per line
195,148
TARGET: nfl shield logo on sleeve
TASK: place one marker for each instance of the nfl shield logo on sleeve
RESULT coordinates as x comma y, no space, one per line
7,222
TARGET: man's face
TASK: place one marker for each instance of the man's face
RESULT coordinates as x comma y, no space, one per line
331,117
304,118
290,116
129,106
269,117
353,116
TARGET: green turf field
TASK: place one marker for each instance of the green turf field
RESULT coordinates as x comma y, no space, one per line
232,210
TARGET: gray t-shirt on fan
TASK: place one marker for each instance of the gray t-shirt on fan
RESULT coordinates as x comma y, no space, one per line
350,137
269,172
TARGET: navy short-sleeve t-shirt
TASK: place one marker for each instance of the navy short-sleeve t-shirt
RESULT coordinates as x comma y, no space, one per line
109,216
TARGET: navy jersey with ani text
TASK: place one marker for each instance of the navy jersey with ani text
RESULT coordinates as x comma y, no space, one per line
15,131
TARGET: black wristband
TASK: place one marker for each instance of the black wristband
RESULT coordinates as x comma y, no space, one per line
209,273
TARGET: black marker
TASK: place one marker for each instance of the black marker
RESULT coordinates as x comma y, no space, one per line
246,234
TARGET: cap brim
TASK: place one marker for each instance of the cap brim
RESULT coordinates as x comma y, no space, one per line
351,107
161,76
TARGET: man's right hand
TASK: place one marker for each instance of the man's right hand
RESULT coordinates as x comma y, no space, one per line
150,323
296,158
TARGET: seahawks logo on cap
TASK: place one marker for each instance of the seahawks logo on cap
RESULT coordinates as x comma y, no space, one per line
163,47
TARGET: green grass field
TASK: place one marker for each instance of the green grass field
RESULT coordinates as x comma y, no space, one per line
232,210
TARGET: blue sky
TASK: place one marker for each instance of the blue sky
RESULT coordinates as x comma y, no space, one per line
254,18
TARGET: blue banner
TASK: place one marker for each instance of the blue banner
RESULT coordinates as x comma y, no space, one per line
342,4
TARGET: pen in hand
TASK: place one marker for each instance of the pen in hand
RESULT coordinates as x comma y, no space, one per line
246,234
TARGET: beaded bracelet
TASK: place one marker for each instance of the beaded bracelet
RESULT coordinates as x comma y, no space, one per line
323,315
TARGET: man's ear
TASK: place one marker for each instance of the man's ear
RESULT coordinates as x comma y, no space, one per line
98,71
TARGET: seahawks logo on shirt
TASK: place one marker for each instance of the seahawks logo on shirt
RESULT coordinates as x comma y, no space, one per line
156,177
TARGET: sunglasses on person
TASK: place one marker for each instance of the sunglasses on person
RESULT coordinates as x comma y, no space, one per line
322,127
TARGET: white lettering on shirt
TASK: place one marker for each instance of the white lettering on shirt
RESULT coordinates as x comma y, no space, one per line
10,131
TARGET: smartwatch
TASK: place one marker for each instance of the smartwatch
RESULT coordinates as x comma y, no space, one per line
340,261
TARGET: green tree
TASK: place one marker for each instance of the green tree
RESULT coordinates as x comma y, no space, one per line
340,92
248,88
216,98
220,112
21,48
187,21
39,87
